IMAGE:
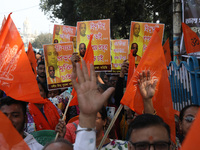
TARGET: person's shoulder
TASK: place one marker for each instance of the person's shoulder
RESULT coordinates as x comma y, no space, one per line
117,144
31,142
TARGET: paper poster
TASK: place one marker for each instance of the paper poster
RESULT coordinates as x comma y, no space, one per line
100,42
73,39
119,53
62,33
58,65
140,35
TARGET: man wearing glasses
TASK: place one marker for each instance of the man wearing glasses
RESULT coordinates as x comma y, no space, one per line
148,132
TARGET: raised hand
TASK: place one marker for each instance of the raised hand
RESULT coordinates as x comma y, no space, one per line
147,87
89,98
124,68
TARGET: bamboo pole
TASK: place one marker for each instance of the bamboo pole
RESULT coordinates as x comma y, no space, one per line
110,126
63,118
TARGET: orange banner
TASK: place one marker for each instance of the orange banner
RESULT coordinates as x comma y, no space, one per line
100,42
62,33
119,53
58,65
140,33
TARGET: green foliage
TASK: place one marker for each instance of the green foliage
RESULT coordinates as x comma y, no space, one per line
43,38
121,13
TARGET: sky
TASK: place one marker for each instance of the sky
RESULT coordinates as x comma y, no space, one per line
23,9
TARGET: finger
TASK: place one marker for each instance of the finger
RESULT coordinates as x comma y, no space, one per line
148,75
144,75
107,94
74,75
85,71
155,83
125,60
92,73
140,77
79,71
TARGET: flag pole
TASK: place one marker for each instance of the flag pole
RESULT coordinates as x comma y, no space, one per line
110,126
63,118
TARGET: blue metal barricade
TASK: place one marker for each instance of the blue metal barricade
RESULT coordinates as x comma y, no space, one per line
185,83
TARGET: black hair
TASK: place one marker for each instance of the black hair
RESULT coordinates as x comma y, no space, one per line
43,86
40,63
9,101
59,140
103,113
182,112
147,120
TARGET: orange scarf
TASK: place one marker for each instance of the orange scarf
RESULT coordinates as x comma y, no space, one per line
50,112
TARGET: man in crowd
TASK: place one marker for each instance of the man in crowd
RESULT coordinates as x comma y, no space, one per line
16,111
149,131
41,74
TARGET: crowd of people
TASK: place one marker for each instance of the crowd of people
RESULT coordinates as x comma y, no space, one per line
99,97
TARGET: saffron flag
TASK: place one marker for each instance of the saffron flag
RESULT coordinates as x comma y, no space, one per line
3,22
32,59
16,76
153,59
191,140
9,136
89,59
166,49
192,42
131,67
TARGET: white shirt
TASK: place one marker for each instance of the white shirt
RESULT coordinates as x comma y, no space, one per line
85,140
31,142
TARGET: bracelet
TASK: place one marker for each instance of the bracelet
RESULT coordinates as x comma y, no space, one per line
86,129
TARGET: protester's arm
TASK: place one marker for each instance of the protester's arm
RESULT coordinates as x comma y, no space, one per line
75,58
90,102
147,87
61,128
120,83
124,69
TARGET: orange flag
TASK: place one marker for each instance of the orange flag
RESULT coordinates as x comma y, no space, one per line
166,49
89,59
192,42
9,136
3,22
31,57
191,140
153,60
131,67
16,76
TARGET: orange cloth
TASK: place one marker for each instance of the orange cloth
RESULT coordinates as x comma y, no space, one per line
32,59
131,67
50,112
167,53
9,136
16,75
153,59
191,141
89,59
192,42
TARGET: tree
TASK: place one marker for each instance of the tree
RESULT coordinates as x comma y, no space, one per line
121,12
43,38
